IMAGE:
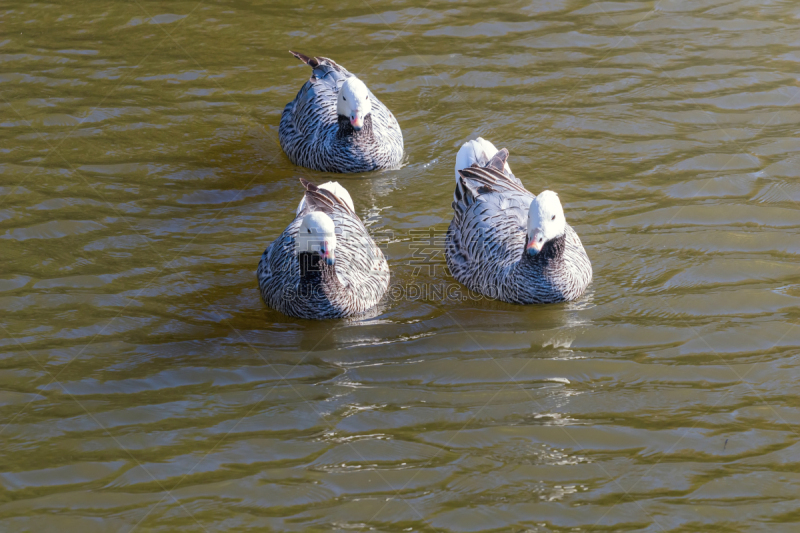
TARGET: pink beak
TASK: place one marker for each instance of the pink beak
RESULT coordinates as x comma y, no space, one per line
327,254
356,120
534,246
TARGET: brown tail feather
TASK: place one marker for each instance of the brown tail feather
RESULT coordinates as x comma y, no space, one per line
304,58
488,179
498,162
322,199
307,185
312,62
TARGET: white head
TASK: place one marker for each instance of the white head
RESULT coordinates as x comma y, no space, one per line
545,221
317,234
354,102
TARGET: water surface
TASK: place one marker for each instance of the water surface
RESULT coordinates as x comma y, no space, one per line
145,386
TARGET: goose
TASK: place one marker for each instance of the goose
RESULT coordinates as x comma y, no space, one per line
324,264
335,123
507,243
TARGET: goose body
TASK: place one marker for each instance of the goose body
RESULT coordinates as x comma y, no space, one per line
324,264
323,129
506,243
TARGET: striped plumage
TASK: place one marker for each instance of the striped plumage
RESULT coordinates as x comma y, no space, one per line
487,238
354,284
314,135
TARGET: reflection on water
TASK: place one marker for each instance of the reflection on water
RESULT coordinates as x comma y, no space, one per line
146,387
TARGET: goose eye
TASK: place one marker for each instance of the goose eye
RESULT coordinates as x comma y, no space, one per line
344,98
553,218
309,230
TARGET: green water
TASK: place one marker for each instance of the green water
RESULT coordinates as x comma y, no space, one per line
145,386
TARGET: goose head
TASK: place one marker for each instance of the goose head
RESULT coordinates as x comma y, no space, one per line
354,102
545,221
317,234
